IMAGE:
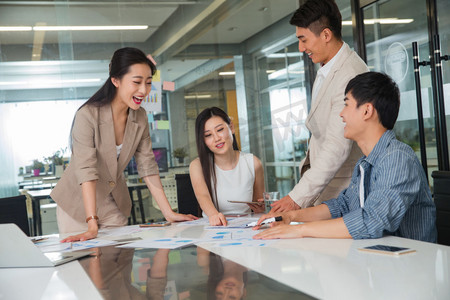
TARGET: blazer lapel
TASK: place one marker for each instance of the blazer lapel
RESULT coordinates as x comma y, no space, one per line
106,127
129,139
324,89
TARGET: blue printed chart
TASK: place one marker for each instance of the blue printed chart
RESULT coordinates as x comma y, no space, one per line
152,103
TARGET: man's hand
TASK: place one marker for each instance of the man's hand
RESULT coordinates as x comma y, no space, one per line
284,204
285,219
217,220
283,231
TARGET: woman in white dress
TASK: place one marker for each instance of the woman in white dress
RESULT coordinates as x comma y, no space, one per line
222,173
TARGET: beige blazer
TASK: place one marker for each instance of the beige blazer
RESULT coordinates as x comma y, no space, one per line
94,157
330,158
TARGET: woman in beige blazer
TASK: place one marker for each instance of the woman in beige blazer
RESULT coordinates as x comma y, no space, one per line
107,131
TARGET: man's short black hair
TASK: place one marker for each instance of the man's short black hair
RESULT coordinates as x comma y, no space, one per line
316,15
380,90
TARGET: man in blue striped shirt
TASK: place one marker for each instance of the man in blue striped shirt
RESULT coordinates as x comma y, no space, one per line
388,193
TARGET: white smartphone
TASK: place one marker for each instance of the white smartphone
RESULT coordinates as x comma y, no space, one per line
385,249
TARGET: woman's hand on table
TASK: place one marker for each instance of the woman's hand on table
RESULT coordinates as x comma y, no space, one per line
88,235
175,217
218,220
91,233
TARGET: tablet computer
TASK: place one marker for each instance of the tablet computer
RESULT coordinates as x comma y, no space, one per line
235,201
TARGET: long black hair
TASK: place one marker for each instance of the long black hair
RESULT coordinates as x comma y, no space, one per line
205,155
120,64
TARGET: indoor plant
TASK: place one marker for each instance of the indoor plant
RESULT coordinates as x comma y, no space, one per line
37,166
180,154
58,162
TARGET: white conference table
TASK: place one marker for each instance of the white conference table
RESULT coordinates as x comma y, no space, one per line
319,268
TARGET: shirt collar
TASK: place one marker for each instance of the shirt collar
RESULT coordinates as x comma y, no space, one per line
325,69
380,147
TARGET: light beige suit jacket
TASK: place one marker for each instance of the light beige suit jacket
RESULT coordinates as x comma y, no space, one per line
330,158
94,157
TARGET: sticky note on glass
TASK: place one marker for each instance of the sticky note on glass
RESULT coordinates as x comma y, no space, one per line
169,86
157,76
163,124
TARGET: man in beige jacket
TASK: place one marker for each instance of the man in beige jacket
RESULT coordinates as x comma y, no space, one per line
330,158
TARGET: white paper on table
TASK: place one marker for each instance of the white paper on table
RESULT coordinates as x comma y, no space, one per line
161,243
240,222
240,243
119,231
75,246
225,233
199,221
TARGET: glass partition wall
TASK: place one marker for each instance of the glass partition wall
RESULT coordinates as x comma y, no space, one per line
54,55
390,30
283,107
241,56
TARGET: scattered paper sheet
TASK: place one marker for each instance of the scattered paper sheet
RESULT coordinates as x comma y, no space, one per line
56,246
119,231
239,243
227,234
200,221
161,243
235,223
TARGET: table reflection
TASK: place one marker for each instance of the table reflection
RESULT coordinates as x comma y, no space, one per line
188,273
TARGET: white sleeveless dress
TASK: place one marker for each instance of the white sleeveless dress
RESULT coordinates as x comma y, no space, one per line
236,184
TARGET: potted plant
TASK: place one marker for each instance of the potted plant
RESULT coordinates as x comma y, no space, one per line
37,166
180,154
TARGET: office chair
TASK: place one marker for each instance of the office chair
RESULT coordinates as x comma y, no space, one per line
14,210
187,202
442,201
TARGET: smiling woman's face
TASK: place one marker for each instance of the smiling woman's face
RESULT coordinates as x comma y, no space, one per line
134,86
218,135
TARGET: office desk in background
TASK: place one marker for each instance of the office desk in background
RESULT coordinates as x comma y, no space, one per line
36,197
287,269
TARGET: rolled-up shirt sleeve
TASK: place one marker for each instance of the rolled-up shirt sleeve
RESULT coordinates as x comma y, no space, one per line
392,191
83,148
338,206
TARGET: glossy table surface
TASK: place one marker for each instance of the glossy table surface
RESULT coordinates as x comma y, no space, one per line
286,269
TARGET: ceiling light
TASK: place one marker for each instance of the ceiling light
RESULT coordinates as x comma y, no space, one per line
231,73
12,83
87,28
197,96
49,81
382,21
15,28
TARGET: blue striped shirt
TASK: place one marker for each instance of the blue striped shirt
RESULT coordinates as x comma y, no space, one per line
397,197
